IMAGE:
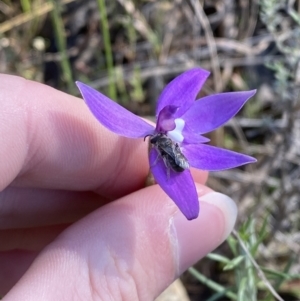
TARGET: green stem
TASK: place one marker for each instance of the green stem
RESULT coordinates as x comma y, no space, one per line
212,285
107,48
62,44
26,6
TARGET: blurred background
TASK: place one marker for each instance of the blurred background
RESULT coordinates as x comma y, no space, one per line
130,49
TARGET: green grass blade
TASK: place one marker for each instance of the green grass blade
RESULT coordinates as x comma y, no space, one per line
212,285
62,44
107,48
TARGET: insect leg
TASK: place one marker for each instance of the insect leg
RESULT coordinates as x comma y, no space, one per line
165,157
156,160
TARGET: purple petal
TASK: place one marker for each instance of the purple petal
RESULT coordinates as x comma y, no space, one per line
182,91
191,137
165,120
113,116
179,186
211,158
210,112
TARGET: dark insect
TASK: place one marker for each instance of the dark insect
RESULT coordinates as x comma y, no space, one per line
170,152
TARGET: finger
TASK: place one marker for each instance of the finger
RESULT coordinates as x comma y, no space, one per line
141,238
19,248
27,207
28,239
13,265
199,176
53,141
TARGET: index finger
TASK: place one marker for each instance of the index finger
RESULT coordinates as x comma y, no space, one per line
51,140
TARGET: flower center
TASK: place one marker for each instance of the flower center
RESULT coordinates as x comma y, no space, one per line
176,134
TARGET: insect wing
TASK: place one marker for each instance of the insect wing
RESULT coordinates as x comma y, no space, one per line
180,159
177,160
170,152
166,145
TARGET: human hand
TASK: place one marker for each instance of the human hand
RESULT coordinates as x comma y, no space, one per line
60,233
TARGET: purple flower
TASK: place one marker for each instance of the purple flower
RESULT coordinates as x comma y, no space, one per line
180,123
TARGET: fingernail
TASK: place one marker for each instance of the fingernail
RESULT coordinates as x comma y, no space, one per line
194,239
227,206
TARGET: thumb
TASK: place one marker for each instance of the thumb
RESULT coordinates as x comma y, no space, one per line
131,249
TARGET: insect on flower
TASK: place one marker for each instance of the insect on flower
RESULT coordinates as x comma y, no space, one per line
170,152
177,141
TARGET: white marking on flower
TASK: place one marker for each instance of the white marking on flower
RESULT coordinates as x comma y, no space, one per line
176,134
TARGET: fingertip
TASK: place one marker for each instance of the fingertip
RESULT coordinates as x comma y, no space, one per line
228,208
141,238
194,239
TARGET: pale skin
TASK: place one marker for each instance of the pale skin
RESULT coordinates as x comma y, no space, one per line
58,169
